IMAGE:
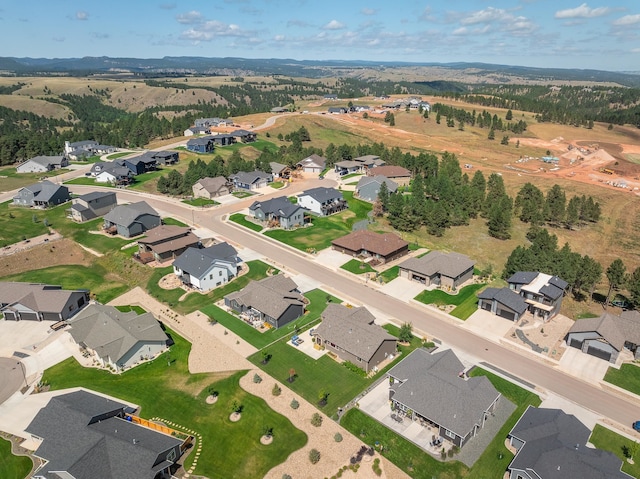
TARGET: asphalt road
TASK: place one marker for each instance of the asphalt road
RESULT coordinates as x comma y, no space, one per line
620,409
11,377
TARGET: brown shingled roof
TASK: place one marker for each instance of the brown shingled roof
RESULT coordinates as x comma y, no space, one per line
390,171
377,243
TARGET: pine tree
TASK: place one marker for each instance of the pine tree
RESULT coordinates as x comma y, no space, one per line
383,196
499,221
556,203
492,134
616,276
633,285
509,115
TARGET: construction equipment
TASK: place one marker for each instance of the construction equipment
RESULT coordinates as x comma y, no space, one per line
607,171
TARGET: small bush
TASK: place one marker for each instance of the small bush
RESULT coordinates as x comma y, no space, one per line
286,476
376,467
294,404
257,379
276,391
316,420
338,437
314,456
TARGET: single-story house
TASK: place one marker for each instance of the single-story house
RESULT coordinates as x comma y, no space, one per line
399,175
322,201
607,335
279,109
197,130
278,211
502,302
542,292
313,164
116,339
207,268
347,167
447,270
279,170
251,180
330,96
368,187
131,220
275,300
369,161
214,122
434,388
82,434
92,205
40,302
384,247
552,444
223,139
244,136
351,333
203,144
78,155
164,157
115,174
210,188
42,164
166,242
337,110
42,195
87,145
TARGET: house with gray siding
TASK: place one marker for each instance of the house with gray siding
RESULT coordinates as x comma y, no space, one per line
40,302
313,164
278,211
502,302
274,300
434,389
42,164
368,187
542,292
447,270
351,333
207,268
166,242
131,220
204,144
42,195
551,444
322,201
92,205
116,339
244,136
251,180
85,435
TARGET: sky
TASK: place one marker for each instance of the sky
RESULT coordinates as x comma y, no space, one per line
537,33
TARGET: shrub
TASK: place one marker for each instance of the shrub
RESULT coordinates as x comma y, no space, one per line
314,456
294,404
286,476
256,378
276,391
338,437
406,333
376,467
316,420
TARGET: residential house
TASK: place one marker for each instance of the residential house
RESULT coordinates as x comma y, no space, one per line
313,164
434,389
330,96
92,205
502,302
552,444
197,130
166,242
399,175
115,339
42,195
279,109
86,145
447,270
210,188
383,247
337,110
274,300
369,161
607,336
115,174
213,122
40,302
360,164
84,435
322,201
251,180
203,144
351,333
143,163
223,139
542,292
368,187
278,211
164,157
42,164
280,171
98,166
347,167
136,165
131,220
244,136
207,268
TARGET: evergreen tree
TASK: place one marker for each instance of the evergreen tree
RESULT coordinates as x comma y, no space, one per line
495,191
573,212
492,134
588,276
556,203
633,285
383,196
509,115
529,204
478,189
499,221
616,276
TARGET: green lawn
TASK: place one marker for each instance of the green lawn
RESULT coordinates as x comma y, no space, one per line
88,181
350,175
627,377
586,315
317,303
200,202
324,229
390,274
127,308
261,145
242,194
172,221
607,440
10,179
97,158
276,184
439,297
356,266
241,220
17,223
167,390
115,156
13,467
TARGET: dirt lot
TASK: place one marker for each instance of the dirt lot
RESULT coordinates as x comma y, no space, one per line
64,251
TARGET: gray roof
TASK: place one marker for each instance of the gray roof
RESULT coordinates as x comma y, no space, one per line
198,261
45,190
202,141
241,133
116,170
96,195
276,167
313,161
369,160
555,448
506,297
392,186
612,328
110,448
250,177
280,207
352,329
431,386
451,265
523,277
126,215
37,297
272,295
112,333
83,143
47,160
322,194
212,185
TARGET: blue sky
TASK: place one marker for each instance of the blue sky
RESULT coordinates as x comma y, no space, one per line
543,33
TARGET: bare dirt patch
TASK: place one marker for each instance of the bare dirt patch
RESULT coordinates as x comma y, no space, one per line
62,252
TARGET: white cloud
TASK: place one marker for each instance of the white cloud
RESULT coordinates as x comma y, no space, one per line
334,25
190,18
279,38
488,15
582,11
635,50
81,15
507,21
298,23
627,20
368,11
460,31
211,29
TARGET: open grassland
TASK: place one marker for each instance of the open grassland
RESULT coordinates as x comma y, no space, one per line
164,388
35,105
13,467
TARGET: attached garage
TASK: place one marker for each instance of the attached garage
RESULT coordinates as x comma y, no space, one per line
503,313
575,343
599,353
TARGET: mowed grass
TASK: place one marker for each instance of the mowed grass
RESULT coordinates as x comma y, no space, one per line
627,377
390,274
356,266
13,467
164,388
440,298
10,179
243,221
88,181
172,221
607,440
201,202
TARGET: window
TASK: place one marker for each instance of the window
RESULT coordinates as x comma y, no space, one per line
219,273
450,434
211,276
172,455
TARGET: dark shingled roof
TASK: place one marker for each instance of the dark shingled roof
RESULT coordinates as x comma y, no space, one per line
322,194
451,265
250,177
523,277
280,207
126,215
506,297
198,261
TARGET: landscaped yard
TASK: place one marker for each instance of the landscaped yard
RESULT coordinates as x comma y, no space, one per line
164,388
276,184
465,301
356,266
172,221
241,220
607,440
627,377
115,156
242,194
13,467
201,202
350,175
390,274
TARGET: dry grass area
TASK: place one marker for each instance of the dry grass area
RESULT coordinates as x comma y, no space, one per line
34,105
62,252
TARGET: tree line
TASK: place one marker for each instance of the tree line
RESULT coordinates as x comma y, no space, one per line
483,119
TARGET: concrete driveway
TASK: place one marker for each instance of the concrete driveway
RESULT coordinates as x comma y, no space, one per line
11,377
584,366
17,335
488,325
402,289
331,259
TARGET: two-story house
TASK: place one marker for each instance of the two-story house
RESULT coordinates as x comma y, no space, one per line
207,268
322,201
278,212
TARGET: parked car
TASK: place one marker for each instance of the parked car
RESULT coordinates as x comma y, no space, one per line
636,426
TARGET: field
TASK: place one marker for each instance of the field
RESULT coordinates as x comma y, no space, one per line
10,179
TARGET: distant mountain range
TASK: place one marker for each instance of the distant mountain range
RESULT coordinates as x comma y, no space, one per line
307,68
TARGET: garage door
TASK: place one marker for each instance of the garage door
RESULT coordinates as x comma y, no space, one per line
575,343
507,314
599,353
486,306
